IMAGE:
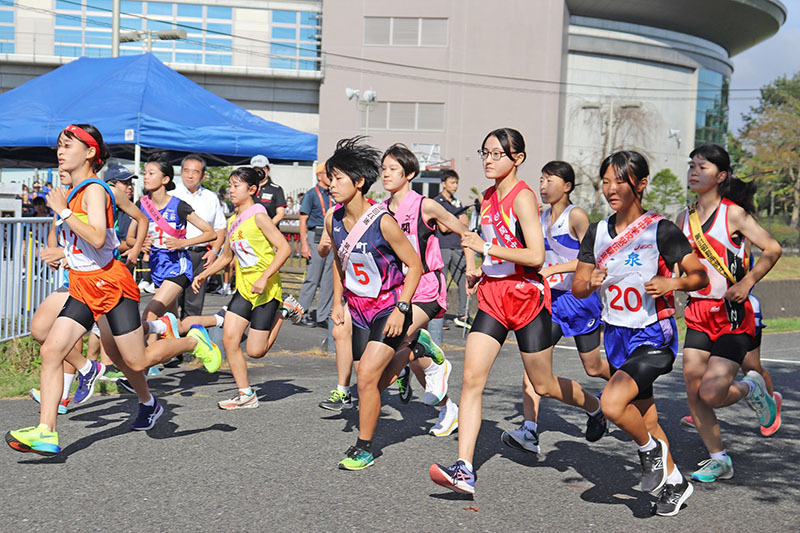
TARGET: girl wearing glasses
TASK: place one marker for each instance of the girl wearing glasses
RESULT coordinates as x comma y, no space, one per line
512,295
629,257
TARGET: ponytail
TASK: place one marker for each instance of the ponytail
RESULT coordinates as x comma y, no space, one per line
732,188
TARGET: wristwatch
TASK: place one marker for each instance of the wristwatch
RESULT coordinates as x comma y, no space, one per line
404,307
486,247
65,213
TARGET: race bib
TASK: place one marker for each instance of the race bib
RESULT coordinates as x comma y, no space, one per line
362,276
244,253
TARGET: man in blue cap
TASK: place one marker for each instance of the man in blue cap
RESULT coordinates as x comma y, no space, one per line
120,178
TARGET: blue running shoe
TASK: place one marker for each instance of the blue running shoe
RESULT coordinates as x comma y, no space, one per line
63,405
148,414
153,371
86,383
457,478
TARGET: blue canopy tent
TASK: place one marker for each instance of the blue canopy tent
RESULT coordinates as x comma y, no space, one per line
137,100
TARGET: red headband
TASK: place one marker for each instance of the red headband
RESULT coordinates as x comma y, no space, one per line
84,136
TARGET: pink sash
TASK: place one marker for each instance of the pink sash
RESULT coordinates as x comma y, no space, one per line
251,211
500,226
155,215
626,237
366,220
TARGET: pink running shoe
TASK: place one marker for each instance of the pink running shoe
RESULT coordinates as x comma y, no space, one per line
777,424
688,422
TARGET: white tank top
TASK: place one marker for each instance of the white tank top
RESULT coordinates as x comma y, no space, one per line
559,247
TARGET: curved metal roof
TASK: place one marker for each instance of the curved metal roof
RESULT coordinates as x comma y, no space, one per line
735,25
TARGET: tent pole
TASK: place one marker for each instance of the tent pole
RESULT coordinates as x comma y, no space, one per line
137,161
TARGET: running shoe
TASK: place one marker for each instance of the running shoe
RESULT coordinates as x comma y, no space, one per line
240,401
356,459
777,424
125,384
436,383
404,386
447,423
522,439
221,313
206,351
713,469
112,373
337,401
36,397
654,467
432,349
171,322
672,498
596,426
147,416
86,382
759,401
457,478
37,440
294,311
688,421
463,322
153,371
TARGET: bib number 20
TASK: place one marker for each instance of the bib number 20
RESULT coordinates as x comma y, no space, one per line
629,297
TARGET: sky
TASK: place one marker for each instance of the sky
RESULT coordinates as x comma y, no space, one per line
763,63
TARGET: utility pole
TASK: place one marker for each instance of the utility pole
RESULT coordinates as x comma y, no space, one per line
115,28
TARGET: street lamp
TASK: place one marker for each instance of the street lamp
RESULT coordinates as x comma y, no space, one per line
147,35
364,102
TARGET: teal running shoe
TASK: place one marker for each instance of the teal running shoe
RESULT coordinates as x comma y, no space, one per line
759,401
432,349
713,469
356,459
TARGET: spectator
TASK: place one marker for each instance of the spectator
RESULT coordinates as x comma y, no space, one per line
450,243
269,194
37,191
121,178
206,204
40,208
315,204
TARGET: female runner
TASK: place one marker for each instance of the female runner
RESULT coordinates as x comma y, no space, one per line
564,225
101,289
630,257
370,251
719,319
260,250
511,296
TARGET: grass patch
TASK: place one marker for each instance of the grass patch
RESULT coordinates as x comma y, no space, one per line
19,366
787,267
782,325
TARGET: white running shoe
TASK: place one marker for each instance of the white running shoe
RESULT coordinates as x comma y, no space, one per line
521,439
436,383
447,423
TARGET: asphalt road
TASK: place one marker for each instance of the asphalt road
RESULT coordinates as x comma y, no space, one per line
274,468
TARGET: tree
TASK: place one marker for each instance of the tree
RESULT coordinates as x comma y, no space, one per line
217,178
663,192
770,135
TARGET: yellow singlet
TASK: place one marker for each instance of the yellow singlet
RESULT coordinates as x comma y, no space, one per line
254,253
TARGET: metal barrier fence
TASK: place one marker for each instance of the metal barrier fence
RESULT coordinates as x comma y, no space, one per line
25,280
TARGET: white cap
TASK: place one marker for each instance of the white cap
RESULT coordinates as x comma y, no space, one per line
259,161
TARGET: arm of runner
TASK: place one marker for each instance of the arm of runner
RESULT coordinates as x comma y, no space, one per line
587,279
406,253
207,234
695,279
431,209
528,218
324,246
337,312
95,205
282,250
739,221
137,217
218,264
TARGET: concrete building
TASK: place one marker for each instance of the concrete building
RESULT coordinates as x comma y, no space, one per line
578,78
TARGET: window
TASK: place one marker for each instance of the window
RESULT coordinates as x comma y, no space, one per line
294,35
711,121
417,116
68,20
214,12
405,31
99,5
68,6
7,17
190,11
157,8
128,6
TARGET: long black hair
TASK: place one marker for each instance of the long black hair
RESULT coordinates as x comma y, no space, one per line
737,191
510,139
629,166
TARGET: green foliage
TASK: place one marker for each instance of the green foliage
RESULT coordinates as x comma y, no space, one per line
19,366
664,192
217,178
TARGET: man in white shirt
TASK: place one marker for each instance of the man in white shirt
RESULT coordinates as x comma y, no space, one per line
206,204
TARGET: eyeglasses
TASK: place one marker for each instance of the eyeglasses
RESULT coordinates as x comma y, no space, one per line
496,156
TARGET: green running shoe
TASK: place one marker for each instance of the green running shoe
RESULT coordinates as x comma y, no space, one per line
356,459
404,385
112,373
713,469
37,440
432,349
759,401
206,351
337,401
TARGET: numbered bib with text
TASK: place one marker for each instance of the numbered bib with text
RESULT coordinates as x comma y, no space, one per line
244,253
362,276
